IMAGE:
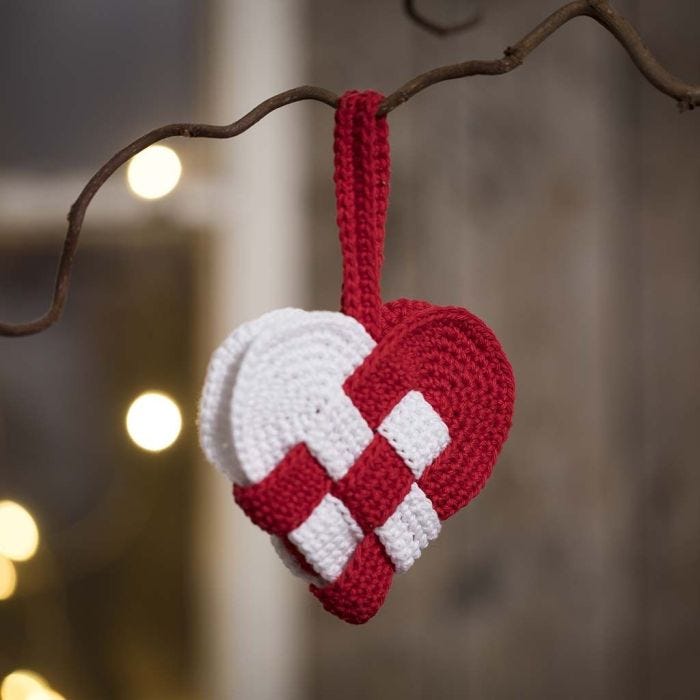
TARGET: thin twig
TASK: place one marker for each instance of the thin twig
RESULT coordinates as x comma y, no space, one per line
77,211
686,94
440,29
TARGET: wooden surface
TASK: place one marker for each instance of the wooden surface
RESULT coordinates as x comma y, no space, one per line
559,203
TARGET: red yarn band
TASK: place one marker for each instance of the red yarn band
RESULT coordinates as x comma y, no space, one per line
362,189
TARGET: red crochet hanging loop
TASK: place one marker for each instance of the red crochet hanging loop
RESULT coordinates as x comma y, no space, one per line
362,190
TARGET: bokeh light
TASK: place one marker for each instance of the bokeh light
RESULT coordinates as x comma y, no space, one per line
19,535
154,421
8,578
45,694
154,172
23,685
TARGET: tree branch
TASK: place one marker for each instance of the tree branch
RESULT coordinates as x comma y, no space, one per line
687,95
440,29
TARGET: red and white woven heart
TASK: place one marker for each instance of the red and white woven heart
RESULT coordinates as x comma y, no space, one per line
351,436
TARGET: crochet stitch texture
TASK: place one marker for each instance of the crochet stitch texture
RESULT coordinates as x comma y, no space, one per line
351,436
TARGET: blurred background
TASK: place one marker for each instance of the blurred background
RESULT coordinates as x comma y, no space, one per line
559,203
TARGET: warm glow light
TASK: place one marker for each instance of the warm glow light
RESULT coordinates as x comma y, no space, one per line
45,694
154,172
19,535
154,421
23,685
8,578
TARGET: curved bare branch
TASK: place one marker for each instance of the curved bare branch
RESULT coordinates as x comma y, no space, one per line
687,95
77,211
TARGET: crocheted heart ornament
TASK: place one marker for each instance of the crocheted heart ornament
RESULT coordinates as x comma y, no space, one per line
351,436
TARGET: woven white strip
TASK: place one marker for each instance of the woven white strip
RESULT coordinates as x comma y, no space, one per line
328,537
338,435
289,383
292,564
416,431
215,429
409,529
276,382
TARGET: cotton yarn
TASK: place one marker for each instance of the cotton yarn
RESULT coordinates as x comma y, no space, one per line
351,436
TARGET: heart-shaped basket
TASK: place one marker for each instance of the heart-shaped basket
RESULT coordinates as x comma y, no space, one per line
350,436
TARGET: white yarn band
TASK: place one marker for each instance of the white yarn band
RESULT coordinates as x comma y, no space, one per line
328,537
409,529
415,431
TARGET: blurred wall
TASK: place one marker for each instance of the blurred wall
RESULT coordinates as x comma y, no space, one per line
559,203
251,634
104,608
82,79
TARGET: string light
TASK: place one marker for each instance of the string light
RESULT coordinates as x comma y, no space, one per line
8,578
19,534
154,172
45,694
154,421
23,685
27,685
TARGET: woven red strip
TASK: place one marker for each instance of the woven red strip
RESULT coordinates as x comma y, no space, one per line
375,484
361,148
357,594
286,496
375,387
456,362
